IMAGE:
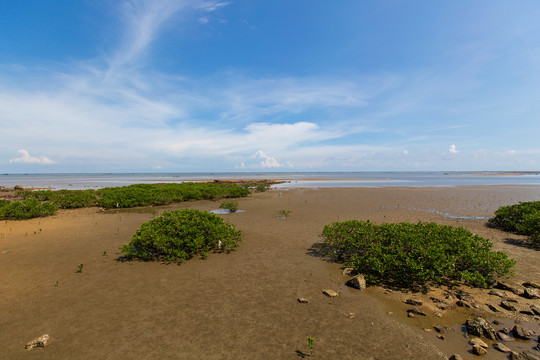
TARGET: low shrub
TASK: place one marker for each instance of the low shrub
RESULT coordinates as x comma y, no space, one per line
26,209
180,234
522,218
232,206
262,187
409,255
4,202
64,199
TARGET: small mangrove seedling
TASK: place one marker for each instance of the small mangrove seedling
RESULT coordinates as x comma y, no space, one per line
80,266
104,253
232,206
284,213
310,343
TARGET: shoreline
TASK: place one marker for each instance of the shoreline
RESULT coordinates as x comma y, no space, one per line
242,303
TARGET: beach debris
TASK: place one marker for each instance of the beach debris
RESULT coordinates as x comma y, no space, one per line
507,286
302,300
480,327
478,350
493,308
413,302
455,357
531,284
497,293
521,333
502,348
348,271
330,293
479,342
504,337
416,310
508,305
357,282
37,342
351,316
531,293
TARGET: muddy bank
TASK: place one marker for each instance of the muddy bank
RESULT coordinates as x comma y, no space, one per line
238,305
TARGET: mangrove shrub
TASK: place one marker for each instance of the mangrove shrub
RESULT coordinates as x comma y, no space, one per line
409,255
522,218
180,234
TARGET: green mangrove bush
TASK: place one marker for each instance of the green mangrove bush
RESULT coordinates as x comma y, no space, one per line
232,206
522,218
181,234
26,209
409,255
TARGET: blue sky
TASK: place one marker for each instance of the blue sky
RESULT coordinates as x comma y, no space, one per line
281,85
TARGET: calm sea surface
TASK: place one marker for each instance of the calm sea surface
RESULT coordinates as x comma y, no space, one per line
293,179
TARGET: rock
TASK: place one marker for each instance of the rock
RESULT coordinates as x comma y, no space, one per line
535,309
348,271
531,284
436,300
497,322
439,328
357,282
529,355
413,302
478,350
440,336
467,298
480,327
531,293
416,310
19,187
515,356
390,313
446,306
330,293
527,312
504,337
492,308
455,357
507,286
302,300
410,314
519,332
508,305
502,348
463,304
437,314
497,293
38,342
479,342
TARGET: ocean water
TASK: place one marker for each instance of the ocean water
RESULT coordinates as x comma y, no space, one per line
291,179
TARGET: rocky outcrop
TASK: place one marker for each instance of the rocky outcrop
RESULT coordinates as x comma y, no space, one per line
480,327
478,350
531,293
38,342
521,333
507,286
415,302
416,311
357,282
508,305
330,293
502,348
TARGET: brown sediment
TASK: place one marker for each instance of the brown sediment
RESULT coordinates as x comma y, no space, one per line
238,305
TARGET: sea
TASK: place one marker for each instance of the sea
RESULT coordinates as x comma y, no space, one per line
80,181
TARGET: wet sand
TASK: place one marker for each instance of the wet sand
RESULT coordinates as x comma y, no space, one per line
240,305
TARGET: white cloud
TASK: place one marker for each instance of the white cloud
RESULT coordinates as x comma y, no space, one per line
453,149
204,20
267,161
25,158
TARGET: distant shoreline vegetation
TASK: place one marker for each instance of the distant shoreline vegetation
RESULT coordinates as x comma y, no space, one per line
41,203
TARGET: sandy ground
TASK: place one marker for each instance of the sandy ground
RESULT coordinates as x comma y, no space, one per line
241,305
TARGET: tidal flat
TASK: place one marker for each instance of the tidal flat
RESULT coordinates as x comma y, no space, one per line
243,304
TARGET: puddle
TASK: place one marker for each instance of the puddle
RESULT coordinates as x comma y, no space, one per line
225,211
141,210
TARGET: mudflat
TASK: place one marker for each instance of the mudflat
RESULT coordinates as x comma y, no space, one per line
241,305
